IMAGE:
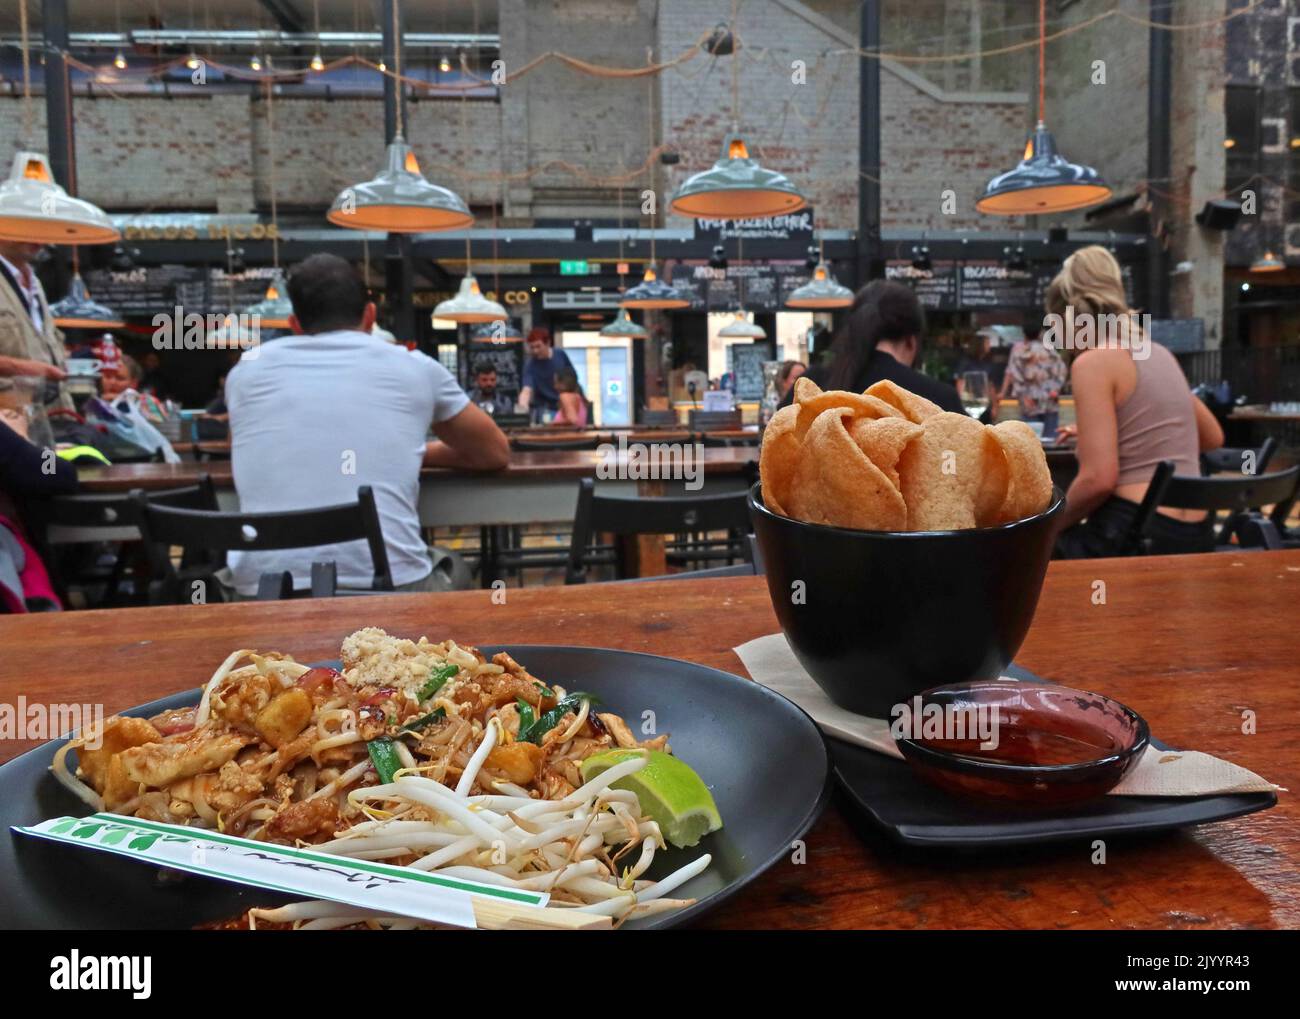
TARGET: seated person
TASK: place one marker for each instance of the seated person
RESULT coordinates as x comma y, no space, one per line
316,415
881,339
1132,412
573,401
485,394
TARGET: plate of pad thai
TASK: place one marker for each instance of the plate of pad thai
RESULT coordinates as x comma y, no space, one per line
622,785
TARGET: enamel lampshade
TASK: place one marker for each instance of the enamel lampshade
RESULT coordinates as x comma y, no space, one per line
78,311
821,293
737,187
399,199
34,209
1044,182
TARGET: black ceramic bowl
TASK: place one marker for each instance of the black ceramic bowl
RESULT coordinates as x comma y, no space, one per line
1050,746
878,616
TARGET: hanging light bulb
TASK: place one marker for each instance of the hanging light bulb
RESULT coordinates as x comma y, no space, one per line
78,311
821,293
34,208
192,61
255,62
119,61
469,305
383,67
399,200
652,292
444,64
624,326
317,64
737,187
743,329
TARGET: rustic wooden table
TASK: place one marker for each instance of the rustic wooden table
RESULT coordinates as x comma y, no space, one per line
1191,642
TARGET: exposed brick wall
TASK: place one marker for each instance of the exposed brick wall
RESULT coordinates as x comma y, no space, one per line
810,131
212,153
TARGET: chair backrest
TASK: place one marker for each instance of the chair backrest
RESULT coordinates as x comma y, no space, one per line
507,421
677,514
1232,459
72,519
714,420
538,445
164,526
1236,493
658,418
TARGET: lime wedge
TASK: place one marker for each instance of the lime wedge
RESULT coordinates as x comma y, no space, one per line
670,793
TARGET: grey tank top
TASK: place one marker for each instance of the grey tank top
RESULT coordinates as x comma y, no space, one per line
1157,421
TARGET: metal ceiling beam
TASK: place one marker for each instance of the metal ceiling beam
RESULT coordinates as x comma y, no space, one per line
262,38
285,15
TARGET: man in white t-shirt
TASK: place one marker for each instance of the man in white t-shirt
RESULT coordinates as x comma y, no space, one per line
316,415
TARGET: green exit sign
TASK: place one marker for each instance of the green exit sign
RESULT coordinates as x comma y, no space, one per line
574,268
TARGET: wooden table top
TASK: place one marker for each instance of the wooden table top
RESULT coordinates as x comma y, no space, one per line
1190,642
539,465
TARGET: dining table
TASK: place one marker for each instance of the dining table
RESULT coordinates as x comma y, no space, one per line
537,484
1190,642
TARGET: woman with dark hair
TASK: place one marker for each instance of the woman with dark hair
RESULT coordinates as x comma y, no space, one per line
573,401
880,338
787,375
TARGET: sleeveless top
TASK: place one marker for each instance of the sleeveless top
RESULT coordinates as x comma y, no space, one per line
1157,421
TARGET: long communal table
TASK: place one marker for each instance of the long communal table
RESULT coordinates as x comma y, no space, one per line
1190,641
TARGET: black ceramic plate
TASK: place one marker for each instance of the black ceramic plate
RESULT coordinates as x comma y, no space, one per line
762,757
912,811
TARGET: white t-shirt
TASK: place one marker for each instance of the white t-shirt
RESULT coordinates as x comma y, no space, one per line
313,418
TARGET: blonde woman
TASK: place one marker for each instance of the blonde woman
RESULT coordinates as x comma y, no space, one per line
1133,409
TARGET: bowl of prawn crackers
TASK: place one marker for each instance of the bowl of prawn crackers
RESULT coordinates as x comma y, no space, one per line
904,546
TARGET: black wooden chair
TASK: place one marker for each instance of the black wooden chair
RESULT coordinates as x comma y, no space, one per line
1241,495
531,445
714,420
70,523
164,527
1233,459
676,515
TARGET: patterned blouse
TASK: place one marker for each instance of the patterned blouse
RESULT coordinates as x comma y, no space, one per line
1037,374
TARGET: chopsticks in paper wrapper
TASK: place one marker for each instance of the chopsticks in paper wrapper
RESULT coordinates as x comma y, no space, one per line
377,888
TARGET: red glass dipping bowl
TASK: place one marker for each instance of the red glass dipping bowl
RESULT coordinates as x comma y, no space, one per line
1054,746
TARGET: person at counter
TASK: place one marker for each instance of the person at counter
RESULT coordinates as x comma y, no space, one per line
1035,376
787,375
881,339
485,394
1134,409
317,414
27,329
539,397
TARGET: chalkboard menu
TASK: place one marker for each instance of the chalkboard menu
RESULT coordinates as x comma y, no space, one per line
994,285
508,358
755,286
144,291
747,369
691,284
935,287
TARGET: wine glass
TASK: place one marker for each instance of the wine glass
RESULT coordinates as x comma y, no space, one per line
975,393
